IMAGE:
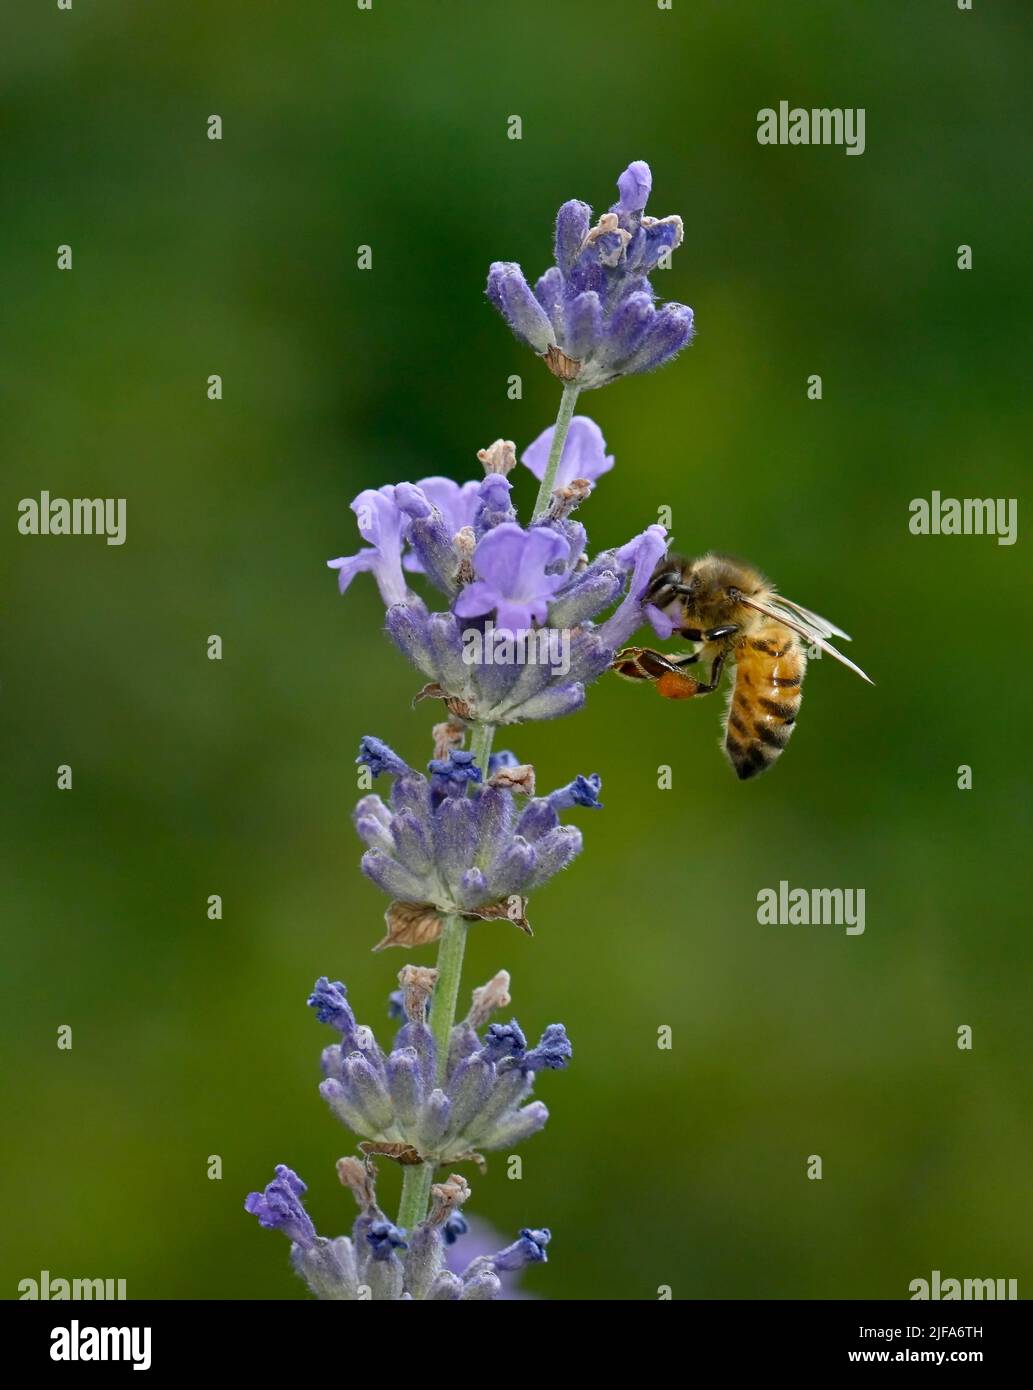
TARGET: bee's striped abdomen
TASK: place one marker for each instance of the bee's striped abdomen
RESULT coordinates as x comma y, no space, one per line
769,670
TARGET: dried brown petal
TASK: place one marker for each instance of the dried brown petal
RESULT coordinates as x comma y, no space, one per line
446,737
459,709
513,910
446,1197
517,779
499,457
562,366
404,1154
487,998
607,223
566,499
462,709
465,543
433,691
418,983
360,1177
410,924
471,1157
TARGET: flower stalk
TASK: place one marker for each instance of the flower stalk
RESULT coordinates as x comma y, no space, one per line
416,1184
566,412
417,1179
525,619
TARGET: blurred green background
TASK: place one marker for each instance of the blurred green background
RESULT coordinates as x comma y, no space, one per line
192,777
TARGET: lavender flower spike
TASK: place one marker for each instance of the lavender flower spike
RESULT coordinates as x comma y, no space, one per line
524,621
379,1262
521,637
592,316
479,1102
453,844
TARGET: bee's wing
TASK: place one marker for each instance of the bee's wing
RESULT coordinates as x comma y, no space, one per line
814,620
805,629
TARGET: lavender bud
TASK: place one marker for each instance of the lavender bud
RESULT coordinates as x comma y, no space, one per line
365,1090
405,1086
379,758
634,186
515,1127
279,1207
511,295
482,1287
389,875
329,1269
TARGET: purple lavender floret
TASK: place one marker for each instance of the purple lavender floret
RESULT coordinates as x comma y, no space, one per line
279,1207
528,1249
456,504
516,573
478,1241
379,1262
331,1005
583,791
481,1101
378,757
641,557
435,844
584,453
593,315
450,776
382,524
383,1238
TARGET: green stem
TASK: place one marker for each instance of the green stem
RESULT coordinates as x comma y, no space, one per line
559,438
480,746
416,1181
446,991
417,1178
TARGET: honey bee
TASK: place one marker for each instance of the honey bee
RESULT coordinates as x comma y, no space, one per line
736,615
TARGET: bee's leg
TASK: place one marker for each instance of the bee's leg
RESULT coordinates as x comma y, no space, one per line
664,588
715,674
674,686
644,664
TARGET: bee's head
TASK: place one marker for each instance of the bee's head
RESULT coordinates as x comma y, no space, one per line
715,585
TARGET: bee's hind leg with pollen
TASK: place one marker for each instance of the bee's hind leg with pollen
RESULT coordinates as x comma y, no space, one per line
645,664
675,692
672,684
